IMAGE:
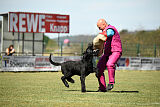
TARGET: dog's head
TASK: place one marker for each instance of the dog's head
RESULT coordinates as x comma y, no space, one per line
89,53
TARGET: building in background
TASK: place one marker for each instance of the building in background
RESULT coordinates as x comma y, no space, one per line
24,43
25,30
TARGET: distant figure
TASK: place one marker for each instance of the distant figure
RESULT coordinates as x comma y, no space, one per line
67,41
10,50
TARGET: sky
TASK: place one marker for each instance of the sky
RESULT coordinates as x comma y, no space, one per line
132,15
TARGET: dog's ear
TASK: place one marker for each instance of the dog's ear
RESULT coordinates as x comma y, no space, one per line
90,44
83,53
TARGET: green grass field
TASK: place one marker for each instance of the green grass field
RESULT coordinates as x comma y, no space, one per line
45,89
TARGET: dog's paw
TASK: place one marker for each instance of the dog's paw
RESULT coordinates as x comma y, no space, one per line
67,85
97,75
70,80
83,90
96,72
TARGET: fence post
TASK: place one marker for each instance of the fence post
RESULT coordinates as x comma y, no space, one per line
154,50
138,51
81,48
61,48
33,44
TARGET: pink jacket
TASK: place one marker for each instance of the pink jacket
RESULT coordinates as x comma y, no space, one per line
113,44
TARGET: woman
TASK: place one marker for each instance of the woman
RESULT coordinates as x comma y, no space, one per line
10,50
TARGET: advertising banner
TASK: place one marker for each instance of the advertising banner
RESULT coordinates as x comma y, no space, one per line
41,63
138,63
38,22
17,63
157,63
33,63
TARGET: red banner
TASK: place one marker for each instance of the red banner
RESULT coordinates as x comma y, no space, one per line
38,22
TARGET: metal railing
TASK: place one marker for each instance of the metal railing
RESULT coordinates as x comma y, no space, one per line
76,49
131,50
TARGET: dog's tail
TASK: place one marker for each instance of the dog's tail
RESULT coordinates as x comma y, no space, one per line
54,63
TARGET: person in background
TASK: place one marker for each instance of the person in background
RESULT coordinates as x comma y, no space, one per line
112,53
10,51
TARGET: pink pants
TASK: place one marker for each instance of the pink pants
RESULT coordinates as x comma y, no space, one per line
109,62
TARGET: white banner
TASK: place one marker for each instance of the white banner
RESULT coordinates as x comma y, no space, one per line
139,63
41,63
32,63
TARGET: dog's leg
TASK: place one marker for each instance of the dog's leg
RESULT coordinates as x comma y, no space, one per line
96,72
83,87
64,81
69,79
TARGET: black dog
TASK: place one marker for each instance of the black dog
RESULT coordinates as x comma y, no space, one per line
81,68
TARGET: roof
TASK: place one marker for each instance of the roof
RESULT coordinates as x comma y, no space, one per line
3,14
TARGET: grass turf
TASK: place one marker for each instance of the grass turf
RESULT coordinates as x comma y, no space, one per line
45,89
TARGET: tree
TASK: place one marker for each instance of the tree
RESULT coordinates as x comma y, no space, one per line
123,31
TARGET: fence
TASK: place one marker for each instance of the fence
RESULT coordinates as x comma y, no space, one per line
71,49
129,50
139,50
77,48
